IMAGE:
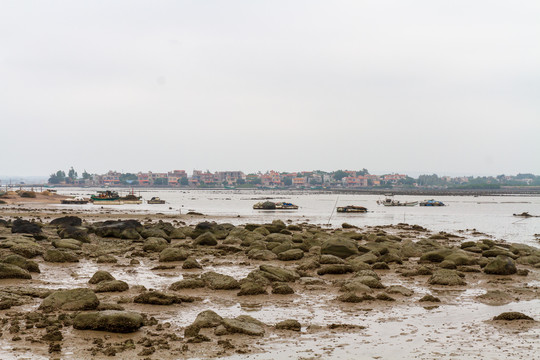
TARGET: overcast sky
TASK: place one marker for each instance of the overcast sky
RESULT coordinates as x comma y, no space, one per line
447,87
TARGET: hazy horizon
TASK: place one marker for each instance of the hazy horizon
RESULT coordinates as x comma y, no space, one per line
416,87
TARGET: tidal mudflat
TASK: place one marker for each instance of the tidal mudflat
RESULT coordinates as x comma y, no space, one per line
92,285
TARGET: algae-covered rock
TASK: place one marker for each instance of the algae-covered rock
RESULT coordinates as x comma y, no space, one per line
356,286
217,281
155,244
208,319
112,286
274,273
446,277
252,288
70,244
21,262
106,259
173,254
429,298
512,315
25,227
157,298
243,327
72,300
331,259
292,254
289,324
191,263
189,283
100,276
339,247
130,234
74,232
259,254
399,289
9,271
206,239
154,232
502,265
110,320
370,281
335,269
282,289
66,221
59,256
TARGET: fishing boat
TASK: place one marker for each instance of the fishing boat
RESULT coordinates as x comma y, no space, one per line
269,205
432,202
390,201
156,200
351,209
104,197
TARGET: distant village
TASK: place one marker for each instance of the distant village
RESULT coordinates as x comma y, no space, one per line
349,179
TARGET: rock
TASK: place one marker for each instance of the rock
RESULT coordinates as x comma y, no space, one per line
436,256
356,286
446,277
154,232
106,259
461,258
290,324
380,266
9,271
70,300
24,247
429,298
495,298
208,319
398,289
70,244
219,231
274,273
112,321
21,262
446,264
114,228
100,276
384,297
25,227
281,289
217,281
66,221
251,288
157,298
370,281
173,254
112,286
130,234
357,264
206,239
278,248
191,263
177,233
350,297
258,254
341,248
367,258
59,256
292,254
502,265
279,238
510,316
331,259
155,244
189,283
335,269
72,232
243,327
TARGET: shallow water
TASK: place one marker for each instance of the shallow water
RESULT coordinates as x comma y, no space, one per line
488,214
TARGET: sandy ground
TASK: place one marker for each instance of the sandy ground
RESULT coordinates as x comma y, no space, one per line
389,325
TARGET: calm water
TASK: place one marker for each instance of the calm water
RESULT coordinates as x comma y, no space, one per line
488,214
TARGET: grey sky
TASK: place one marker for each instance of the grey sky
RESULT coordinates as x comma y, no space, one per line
402,86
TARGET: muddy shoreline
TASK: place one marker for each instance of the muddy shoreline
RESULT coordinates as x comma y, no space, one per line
190,286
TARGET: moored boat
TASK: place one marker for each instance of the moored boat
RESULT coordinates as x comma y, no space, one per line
351,209
390,201
156,200
105,197
269,205
75,201
432,202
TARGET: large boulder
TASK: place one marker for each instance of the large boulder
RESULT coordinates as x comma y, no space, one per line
71,232
113,321
173,254
217,281
21,262
220,231
208,319
71,300
65,221
502,265
25,227
339,247
9,271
